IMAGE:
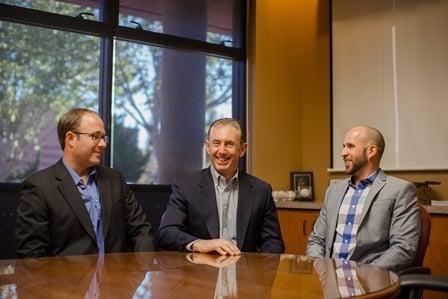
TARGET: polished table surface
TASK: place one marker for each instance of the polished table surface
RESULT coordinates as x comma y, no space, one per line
192,275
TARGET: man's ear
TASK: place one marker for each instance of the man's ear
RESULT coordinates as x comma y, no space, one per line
207,146
243,149
372,151
69,138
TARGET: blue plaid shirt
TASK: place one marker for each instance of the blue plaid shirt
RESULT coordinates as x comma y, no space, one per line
349,217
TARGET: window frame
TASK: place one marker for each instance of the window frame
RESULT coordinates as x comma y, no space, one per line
108,29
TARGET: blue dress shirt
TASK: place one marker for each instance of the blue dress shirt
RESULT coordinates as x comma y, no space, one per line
91,197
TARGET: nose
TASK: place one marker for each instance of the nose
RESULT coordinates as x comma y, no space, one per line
344,151
102,144
222,149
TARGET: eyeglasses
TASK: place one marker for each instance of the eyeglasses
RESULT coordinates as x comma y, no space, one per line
95,137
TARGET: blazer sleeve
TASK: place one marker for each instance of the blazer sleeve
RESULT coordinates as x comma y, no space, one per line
270,232
32,232
317,239
172,233
138,227
404,231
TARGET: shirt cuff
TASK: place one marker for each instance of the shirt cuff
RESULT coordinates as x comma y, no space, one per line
190,245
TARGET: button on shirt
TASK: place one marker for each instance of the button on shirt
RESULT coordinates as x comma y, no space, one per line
227,202
349,217
91,197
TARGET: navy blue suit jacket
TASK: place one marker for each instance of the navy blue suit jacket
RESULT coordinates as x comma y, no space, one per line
192,214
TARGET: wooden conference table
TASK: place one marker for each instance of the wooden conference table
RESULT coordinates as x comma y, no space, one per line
180,275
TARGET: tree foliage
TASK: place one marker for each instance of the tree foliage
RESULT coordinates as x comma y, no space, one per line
46,72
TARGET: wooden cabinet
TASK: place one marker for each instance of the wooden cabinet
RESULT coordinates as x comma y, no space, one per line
296,226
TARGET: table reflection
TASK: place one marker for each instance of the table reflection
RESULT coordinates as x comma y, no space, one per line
176,275
344,279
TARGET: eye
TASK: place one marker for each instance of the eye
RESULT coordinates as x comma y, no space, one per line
230,144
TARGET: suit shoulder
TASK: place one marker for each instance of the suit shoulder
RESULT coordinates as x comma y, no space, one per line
109,172
337,185
193,177
257,182
43,174
397,181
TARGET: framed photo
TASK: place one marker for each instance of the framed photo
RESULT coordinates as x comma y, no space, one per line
302,183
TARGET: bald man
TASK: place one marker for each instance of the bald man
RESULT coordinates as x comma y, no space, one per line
370,218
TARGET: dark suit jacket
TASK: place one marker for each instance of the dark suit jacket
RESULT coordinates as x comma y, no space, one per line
53,220
192,214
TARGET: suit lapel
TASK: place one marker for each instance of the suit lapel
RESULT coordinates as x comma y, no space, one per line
105,188
207,201
377,185
333,206
70,193
246,199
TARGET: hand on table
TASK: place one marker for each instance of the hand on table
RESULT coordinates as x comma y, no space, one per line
218,261
221,246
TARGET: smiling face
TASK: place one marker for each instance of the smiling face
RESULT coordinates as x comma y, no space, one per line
354,152
81,151
359,153
225,148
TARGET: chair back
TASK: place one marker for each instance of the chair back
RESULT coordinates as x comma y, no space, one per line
425,220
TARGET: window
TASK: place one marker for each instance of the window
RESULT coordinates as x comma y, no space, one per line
43,73
156,87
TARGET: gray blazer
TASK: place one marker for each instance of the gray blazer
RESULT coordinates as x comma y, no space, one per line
389,227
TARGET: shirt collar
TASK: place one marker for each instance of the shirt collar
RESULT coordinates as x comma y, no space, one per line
365,182
219,179
76,178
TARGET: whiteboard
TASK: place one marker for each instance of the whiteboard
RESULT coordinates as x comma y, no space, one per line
390,71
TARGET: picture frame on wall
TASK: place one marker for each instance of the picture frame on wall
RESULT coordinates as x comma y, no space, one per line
302,184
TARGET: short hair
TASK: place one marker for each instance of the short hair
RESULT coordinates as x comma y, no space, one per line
70,121
229,121
374,136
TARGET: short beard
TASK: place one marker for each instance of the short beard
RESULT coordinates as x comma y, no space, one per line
357,165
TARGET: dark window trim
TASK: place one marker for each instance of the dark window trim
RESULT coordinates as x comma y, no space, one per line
67,23
178,43
50,20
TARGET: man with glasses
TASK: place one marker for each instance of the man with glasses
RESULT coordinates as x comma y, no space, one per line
78,206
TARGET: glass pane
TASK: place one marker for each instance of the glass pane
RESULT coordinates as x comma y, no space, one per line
88,9
163,102
43,73
214,21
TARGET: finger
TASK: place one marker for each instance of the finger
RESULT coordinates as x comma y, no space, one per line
220,250
234,249
230,249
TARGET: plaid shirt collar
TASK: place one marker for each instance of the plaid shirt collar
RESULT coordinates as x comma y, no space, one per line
365,182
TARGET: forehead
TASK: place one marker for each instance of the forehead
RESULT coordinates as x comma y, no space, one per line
91,122
224,132
355,135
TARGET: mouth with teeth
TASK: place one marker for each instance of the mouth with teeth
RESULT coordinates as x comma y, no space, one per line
222,160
